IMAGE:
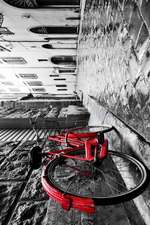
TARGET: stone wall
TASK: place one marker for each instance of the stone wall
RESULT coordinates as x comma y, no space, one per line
130,143
114,59
114,77
43,115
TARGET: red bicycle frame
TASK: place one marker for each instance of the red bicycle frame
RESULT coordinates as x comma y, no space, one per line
93,151
80,141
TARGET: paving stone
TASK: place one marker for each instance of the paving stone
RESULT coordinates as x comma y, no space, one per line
27,145
6,147
59,216
112,215
33,189
30,213
8,193
13,170
15,166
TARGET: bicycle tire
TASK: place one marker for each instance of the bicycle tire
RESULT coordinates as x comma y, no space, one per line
101,128
106,199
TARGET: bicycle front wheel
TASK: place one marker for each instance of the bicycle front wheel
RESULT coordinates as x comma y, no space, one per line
118,178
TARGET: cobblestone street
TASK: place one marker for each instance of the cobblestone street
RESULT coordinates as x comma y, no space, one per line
23,200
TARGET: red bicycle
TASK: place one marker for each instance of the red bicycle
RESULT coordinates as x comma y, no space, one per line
83,173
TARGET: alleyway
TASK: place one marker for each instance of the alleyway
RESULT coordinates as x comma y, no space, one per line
113,81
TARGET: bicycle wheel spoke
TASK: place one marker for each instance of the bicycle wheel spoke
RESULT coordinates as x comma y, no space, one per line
107,180
116,182
121,172
69,185
111,187
112,181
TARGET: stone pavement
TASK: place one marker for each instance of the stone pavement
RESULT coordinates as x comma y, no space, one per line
24,202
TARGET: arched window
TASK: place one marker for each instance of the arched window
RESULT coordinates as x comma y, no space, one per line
59,46
23,3
41,3
55,30
64,60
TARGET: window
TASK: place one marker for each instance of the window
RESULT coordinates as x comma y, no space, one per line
59,45
42,60
41,3
63,60
66,71
73,18
61,85
14,60
35,83
28,76
39,89
54,30
23,3
54,75
64,89
47,46
59,79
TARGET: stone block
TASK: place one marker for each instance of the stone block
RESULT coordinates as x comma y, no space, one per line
30,213
8,193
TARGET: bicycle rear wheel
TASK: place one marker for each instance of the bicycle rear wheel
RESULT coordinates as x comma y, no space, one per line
118,178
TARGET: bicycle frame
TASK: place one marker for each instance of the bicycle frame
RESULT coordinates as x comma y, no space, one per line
93,151
91,148
75,140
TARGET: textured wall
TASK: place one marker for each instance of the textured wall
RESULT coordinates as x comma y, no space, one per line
131,144
114,59
43,114
113,74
